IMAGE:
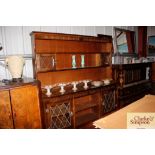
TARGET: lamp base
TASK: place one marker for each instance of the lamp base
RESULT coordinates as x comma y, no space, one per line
17,79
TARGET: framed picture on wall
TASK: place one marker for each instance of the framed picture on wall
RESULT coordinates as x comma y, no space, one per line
151,44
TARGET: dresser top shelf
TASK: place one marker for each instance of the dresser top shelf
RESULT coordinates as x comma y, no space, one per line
91,88
69,37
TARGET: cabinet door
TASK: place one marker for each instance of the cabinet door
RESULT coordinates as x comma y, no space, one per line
26,107
108,100
58,114
5,110
45,62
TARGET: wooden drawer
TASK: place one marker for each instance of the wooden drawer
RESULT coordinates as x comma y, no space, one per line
84,102
57,99
93,91
80,94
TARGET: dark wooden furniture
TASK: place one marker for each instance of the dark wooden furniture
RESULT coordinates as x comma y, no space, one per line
75,109
53,64
153,78
133,81
20,105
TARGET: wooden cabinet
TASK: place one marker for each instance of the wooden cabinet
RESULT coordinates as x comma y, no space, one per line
20,105
75,109
133,81
66,58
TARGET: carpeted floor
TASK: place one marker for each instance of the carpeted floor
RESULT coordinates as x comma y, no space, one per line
118,119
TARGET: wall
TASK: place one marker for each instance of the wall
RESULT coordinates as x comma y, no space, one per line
151,31
16,40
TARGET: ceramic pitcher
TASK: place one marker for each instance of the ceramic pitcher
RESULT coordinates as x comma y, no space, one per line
15,65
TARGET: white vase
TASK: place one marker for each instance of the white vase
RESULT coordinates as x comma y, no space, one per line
82,61
48,90
15,65
73,61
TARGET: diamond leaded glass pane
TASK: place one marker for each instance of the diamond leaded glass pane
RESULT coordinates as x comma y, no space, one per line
109,101
60,116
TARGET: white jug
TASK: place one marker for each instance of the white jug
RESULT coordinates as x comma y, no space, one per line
15,65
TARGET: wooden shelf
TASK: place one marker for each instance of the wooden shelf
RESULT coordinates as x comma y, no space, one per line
133,81
77,68
60,62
